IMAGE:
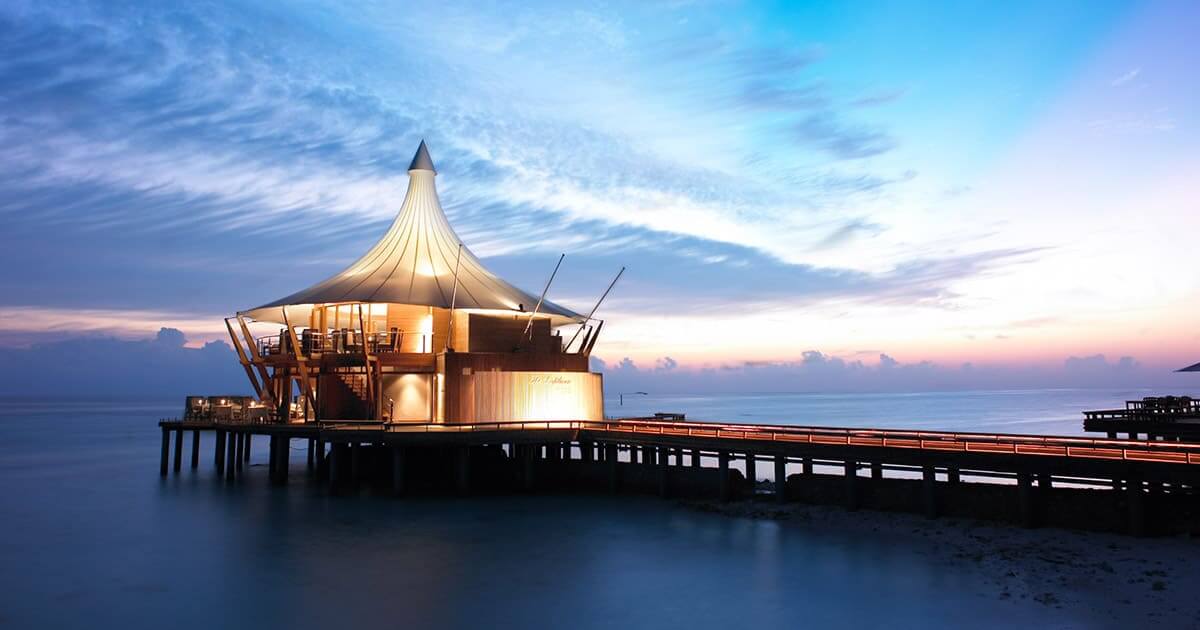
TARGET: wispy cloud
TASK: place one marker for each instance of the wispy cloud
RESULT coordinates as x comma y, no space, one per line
841,140
1126,77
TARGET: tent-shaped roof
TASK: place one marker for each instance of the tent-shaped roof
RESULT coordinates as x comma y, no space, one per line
414,264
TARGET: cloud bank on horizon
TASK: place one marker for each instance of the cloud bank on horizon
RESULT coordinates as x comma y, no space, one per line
1004,187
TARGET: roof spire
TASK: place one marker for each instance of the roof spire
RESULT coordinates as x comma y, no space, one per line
422,161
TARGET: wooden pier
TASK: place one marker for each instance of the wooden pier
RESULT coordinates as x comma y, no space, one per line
1172,418
1139,487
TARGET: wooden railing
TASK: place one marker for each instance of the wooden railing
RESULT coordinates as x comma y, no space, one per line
998,443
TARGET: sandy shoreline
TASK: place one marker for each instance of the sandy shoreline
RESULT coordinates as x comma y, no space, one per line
1134,582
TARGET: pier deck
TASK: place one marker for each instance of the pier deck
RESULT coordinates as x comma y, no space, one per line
1173,418
1129,476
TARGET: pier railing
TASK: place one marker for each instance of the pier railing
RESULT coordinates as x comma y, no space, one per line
998,443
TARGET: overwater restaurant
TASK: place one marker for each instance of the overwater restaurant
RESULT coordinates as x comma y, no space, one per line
417,330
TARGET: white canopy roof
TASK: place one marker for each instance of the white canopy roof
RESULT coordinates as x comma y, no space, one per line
414,264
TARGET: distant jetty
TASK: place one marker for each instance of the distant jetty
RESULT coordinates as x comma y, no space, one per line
417,370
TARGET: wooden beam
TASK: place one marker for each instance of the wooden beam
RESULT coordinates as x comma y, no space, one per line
257,361
301,362
367,360
237,346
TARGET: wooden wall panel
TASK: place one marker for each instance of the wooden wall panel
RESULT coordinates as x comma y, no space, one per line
518,396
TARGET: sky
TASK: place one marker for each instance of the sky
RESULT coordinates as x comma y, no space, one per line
807,196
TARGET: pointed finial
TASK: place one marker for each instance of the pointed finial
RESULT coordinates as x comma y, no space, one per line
421,161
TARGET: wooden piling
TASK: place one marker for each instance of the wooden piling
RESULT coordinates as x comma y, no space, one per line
780,478
178,449
1025,499
851,474
929,490
219,452
166,449
1136,500
311,459
246,447
322,462
239,456
663,472
697,461
281,466
231,456
397,470
952,475
751,470
806,467
528,457
876,470
614,467
195,448
337,462
723,468
463,476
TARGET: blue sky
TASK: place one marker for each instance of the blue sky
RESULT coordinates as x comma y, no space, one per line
1000,184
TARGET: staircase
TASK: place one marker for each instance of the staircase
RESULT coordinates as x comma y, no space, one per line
356,383
352,402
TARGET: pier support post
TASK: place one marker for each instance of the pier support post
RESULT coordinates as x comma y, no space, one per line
312,455
1045,484
218,453
463,476
1112,435
356,462
780,478
322,462
952,475
397,470
587,450
240,451
230,456
751,471
696,461
195,448
1136,499
723,469
614,467
1025,498
166,449
806,467
281,459
272,457
337,462
663,471
851,474
246,447
528,455
178,449
876,470
929,490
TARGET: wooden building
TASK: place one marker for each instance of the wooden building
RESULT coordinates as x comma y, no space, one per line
418,331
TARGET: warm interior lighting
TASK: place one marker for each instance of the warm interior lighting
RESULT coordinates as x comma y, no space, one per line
427,332
520,396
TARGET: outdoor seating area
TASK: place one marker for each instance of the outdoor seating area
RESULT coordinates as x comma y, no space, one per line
347,341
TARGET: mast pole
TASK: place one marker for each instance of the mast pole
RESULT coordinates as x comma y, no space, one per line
593,311
541,299
453,298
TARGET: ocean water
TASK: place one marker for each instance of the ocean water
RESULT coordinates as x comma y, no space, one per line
1040,411
93,537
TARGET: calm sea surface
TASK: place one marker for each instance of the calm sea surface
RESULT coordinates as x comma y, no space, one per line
92,537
